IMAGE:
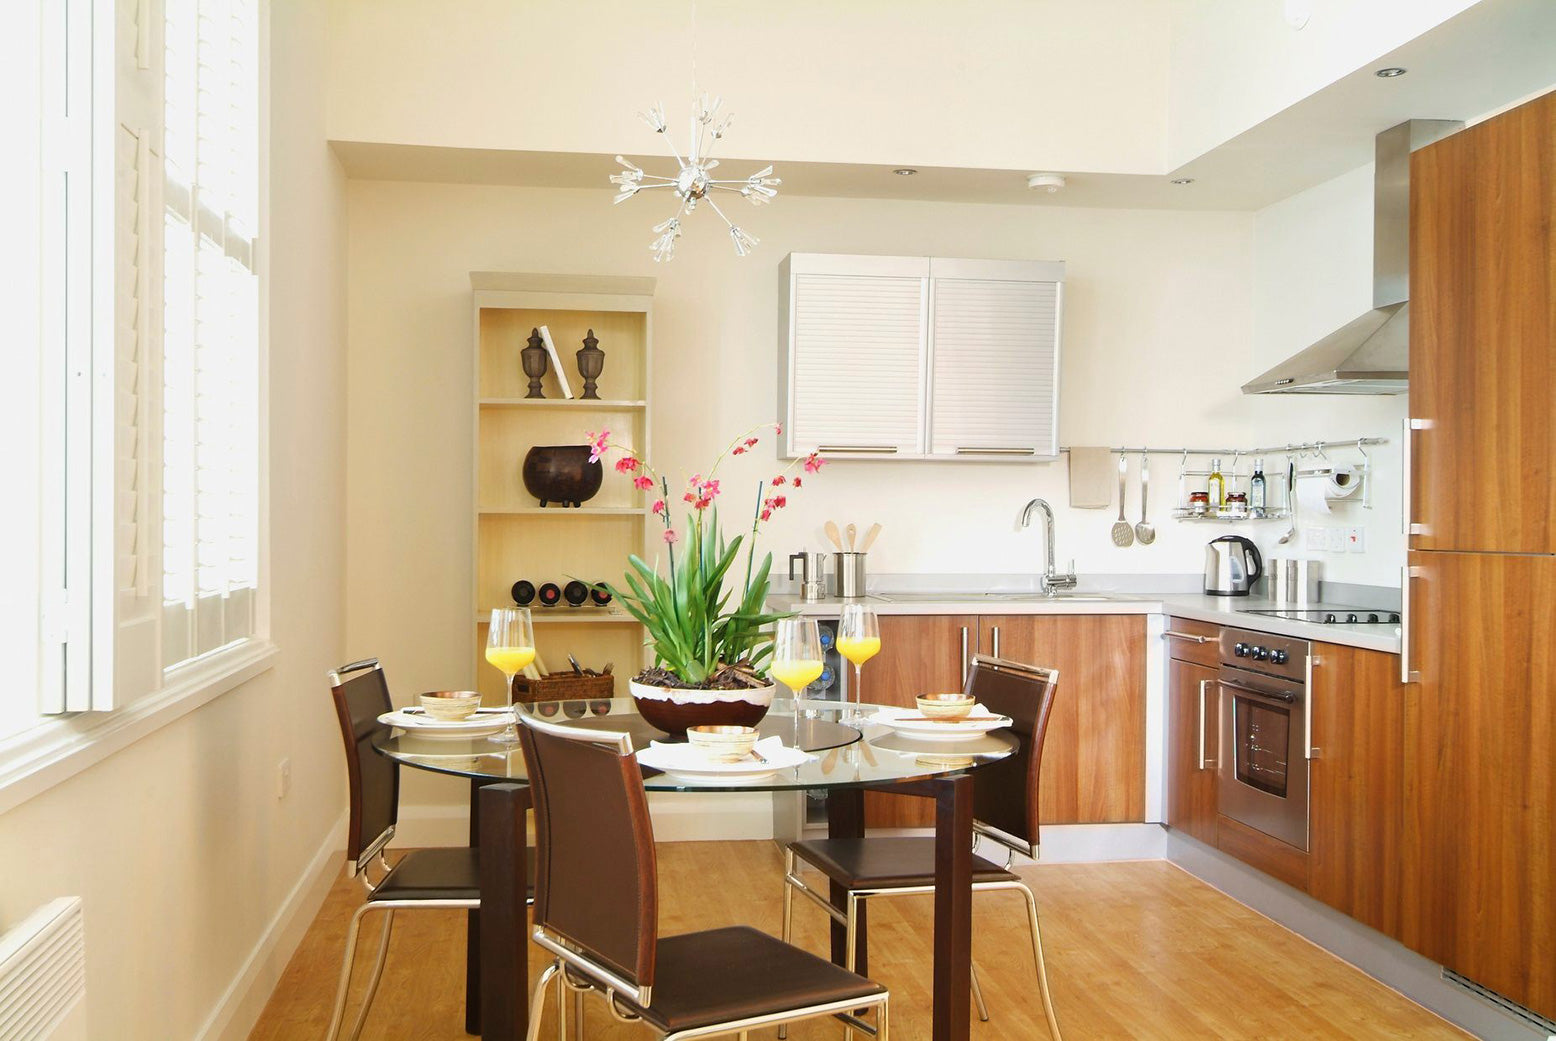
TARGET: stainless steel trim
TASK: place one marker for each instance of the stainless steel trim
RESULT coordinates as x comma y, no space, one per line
964,656
622,741
1412,527
994,640
1406,673
1307,706
960,450
640,996
335,674
1190,637
366,856
873,449
1284,697
1204,764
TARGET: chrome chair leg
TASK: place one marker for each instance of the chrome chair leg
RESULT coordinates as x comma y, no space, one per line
850,948
345,973
1042,971
983,1010
373,980
538,1001
788,916
882,1032
561,1006
578,1015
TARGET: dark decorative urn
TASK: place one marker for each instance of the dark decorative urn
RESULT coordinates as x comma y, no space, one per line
533,359
591,362
562,473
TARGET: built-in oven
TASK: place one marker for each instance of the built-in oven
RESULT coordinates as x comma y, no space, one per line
1263,692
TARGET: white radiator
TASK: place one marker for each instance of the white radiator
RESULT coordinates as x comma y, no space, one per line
43,975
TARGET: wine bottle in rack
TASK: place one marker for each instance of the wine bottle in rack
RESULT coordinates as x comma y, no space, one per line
523,592
550,594
599,594
575,593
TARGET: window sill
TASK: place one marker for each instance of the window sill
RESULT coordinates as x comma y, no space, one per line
37,759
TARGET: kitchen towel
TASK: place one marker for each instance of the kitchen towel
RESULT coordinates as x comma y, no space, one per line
1313,492
1092,475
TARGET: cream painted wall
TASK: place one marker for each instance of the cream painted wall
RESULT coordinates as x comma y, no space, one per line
1001,83
1236,63
178,844
1159,324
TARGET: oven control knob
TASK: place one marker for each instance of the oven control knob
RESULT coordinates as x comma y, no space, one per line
1352,618
1260,654
1393,616
1241,650
1330,619
1278,657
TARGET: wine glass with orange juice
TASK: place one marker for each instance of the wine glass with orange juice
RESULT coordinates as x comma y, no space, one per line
858,640
510,647
797,658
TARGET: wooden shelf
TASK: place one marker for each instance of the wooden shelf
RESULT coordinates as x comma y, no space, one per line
557,511
564,615
598,405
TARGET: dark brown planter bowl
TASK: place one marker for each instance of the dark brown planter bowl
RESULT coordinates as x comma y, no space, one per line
674,717
562,474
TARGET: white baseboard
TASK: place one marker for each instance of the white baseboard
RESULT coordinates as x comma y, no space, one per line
1380,957
241,1004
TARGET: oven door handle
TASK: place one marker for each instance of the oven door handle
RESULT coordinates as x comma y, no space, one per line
1285,696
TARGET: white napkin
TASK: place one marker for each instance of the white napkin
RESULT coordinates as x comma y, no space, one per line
685,754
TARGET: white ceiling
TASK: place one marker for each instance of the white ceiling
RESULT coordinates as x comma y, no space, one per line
1493,54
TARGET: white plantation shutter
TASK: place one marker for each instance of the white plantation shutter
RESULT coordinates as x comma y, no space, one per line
858,352
995,367
210,416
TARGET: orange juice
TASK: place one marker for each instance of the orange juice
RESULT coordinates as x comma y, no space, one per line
798,673
510,661
859,649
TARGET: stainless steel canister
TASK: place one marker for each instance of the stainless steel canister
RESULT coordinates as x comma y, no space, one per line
848,574
813,574
1295,581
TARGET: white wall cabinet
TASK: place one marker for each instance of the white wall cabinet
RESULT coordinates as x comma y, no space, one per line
920,358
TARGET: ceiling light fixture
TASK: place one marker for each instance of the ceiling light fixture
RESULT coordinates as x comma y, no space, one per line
1180,181
904,171
1048,182
1390,72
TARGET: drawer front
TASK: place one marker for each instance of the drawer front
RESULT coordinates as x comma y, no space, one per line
1185,646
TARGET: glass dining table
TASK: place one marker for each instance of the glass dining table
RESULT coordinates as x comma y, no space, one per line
844,762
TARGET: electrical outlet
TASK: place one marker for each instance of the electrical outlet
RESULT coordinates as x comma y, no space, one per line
1315,539
1355,539
283,778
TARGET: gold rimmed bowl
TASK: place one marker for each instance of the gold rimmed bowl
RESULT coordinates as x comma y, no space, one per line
946,707
450,706
723,744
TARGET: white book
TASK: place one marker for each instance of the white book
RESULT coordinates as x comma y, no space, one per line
556,361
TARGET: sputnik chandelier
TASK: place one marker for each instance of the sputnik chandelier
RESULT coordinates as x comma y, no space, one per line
694,183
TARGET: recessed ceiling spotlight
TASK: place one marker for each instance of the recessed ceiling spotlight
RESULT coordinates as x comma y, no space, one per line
1182,180
904,171
1048,182
1390,72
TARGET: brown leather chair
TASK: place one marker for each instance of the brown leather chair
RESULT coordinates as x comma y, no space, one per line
422,878
1004,810
597,911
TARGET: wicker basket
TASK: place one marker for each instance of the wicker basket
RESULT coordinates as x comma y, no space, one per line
562,686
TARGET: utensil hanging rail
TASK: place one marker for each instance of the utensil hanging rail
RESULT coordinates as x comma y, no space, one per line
1292,448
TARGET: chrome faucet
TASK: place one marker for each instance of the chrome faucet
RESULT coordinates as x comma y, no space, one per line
1052,581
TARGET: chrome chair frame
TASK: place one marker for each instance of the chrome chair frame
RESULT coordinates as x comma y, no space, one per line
598,978
848,916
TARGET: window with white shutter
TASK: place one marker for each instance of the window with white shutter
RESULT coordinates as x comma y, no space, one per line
210,328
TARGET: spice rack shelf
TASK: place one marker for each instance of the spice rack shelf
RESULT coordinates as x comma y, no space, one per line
1184,514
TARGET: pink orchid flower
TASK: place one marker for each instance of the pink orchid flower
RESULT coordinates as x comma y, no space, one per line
671,537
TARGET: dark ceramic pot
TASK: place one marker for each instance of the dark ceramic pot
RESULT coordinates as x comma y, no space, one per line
673,710
562,473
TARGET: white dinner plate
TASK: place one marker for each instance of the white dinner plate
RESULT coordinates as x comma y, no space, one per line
485,723
692,764
939,730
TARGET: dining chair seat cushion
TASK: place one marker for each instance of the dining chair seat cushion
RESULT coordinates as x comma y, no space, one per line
443,873
735,973
886,862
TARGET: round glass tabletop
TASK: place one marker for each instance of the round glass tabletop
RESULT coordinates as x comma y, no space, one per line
840,755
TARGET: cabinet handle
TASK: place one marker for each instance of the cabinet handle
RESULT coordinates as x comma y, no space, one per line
1190,637
876,449
1406,673
964,656
1204,764
1408,451
995,451
994,640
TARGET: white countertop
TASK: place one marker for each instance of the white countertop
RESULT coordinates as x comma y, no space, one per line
1218,610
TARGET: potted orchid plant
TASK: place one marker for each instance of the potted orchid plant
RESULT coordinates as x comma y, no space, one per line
705,614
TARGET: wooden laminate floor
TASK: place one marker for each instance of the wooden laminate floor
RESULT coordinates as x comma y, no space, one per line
1135,950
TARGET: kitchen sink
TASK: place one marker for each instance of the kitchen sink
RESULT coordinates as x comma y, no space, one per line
962,598
1037,598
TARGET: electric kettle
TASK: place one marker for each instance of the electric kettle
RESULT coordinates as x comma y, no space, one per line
1232,566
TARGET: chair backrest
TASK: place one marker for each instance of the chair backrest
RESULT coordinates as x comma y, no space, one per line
596,881
1005,803
361,696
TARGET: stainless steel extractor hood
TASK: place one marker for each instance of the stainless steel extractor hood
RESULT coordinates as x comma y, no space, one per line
1370,355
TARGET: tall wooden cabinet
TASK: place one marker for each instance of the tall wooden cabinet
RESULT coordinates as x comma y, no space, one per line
1094,753
1480,776
1193,727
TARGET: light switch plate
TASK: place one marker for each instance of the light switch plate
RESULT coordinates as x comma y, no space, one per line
1355,539
1315,539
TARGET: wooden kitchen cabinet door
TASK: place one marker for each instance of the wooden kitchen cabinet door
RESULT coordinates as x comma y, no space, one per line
1480,776
1193,744
1483,335
1094,754
1357,784
919,654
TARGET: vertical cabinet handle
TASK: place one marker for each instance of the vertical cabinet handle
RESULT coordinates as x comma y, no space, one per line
1204,764
1412,527
964,656
1406,673
994,640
